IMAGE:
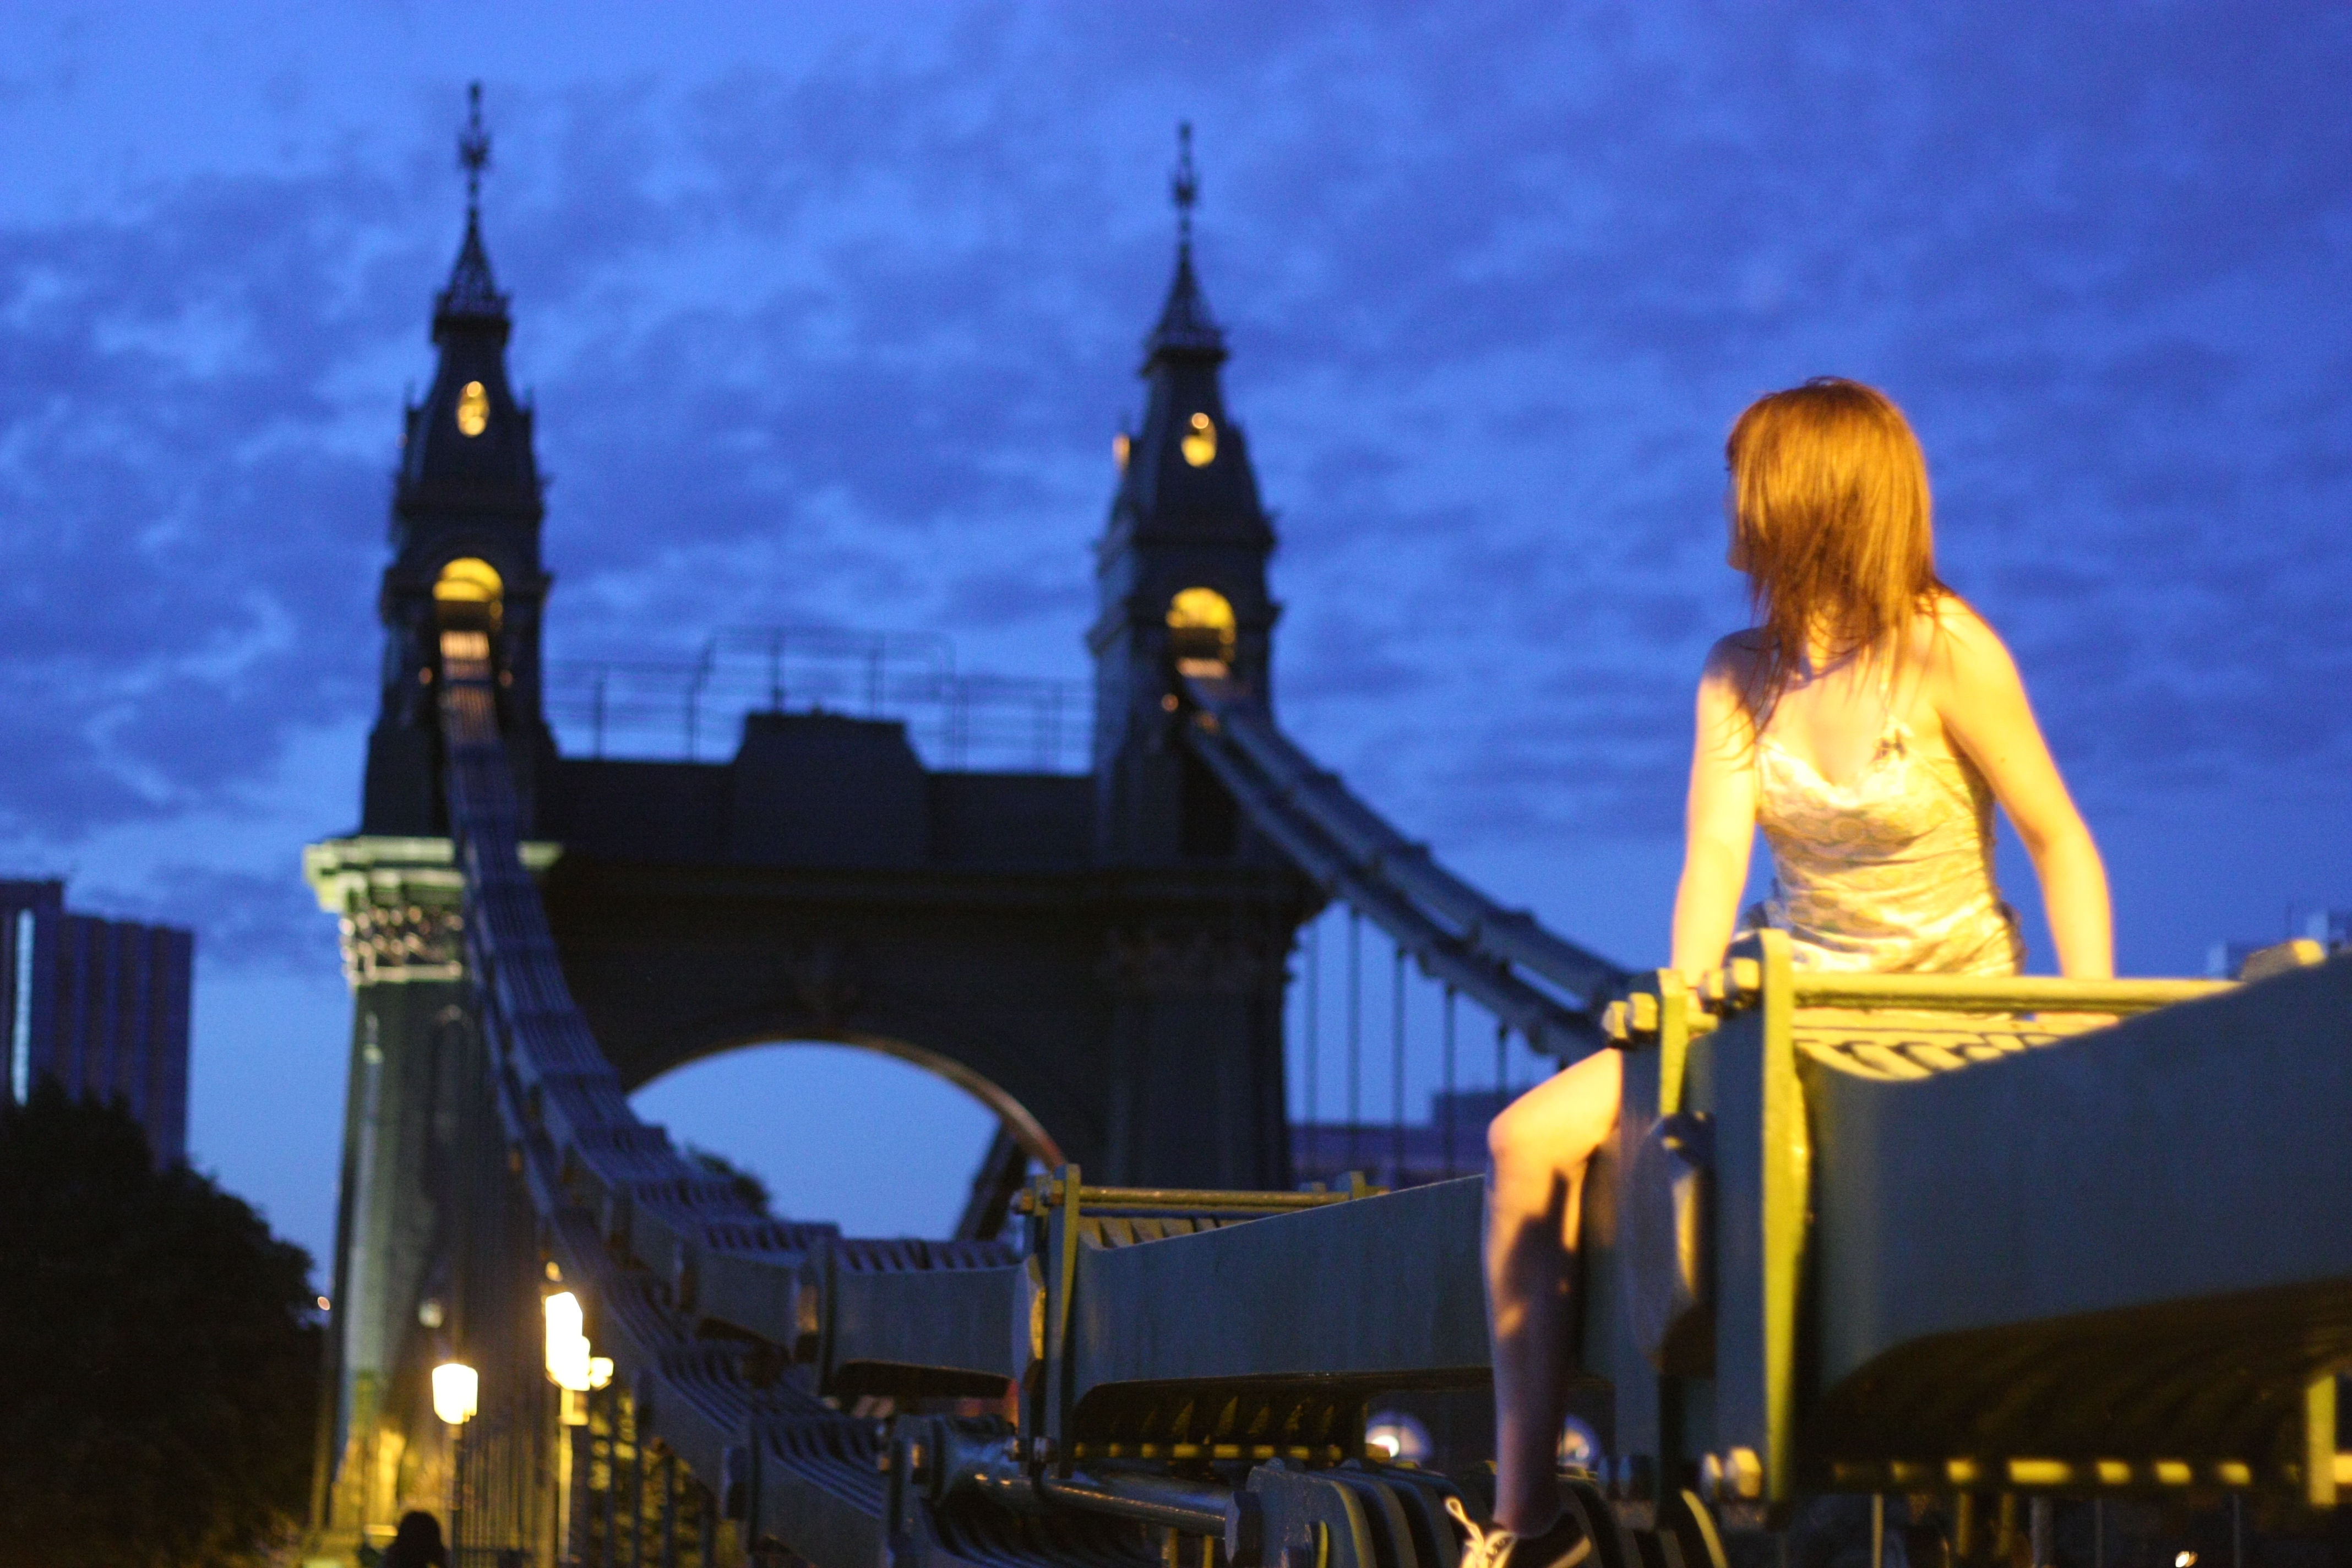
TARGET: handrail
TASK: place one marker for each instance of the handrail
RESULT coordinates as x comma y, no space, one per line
1742,980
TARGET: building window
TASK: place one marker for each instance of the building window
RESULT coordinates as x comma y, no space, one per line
1200,633
1201,441
472,409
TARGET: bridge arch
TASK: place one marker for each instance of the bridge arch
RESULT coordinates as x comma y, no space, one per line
1019,1122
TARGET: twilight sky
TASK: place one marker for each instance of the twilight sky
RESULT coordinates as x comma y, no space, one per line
831,314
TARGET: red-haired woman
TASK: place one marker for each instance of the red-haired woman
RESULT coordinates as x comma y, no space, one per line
1867,724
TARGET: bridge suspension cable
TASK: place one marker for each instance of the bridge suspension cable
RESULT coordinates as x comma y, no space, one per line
1536,984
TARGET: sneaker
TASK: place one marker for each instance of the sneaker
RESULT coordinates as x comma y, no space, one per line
1563,1544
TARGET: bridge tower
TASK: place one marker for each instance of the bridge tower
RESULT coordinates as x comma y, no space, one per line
1100,957
466,516
1202,952
465,535
1180,576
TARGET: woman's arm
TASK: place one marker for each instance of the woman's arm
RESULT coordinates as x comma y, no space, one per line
1982,703
1719,820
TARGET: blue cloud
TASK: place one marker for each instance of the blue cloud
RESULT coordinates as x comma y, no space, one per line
845,341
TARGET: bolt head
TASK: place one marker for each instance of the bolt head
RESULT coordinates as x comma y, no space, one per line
1710,1478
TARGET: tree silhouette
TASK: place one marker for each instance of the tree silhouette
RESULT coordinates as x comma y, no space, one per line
158,1356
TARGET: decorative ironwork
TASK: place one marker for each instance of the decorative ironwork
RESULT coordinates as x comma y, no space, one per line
1153,959
1184,184
384,946
472,291
474,148
1185,324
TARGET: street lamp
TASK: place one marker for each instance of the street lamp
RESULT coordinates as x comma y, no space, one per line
572,1368
457,1392
567,1342
456,1395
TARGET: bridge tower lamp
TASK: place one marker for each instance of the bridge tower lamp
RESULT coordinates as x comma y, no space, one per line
456,1395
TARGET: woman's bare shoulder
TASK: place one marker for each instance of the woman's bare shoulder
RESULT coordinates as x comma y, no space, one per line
1726,688
1735,657
1960,641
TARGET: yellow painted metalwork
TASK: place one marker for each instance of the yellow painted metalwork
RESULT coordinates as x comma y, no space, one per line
1788,1155
1977,994
1679,1021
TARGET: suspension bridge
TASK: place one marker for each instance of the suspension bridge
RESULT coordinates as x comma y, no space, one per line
1170,1316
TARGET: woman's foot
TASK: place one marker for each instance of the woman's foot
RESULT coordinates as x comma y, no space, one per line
1561,1544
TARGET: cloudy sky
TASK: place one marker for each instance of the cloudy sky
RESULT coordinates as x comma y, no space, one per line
830,315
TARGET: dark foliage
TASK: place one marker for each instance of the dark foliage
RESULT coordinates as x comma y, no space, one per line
160,1357
746,1184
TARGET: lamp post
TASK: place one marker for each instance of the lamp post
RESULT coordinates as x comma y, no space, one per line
456,1395
569,1367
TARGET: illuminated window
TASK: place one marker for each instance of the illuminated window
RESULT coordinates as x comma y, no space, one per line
469,591
1120,447
1201,441
472,409
1200,632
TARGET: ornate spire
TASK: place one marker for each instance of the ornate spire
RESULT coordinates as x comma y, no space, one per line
473,149
1185,186
472,293
1185,327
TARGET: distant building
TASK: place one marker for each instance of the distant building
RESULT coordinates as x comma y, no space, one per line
2331,929
99,1006
1452,1142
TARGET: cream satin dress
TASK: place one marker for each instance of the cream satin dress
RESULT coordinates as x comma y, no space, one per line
1891,870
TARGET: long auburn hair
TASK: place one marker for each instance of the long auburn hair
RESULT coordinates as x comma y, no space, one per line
1832,522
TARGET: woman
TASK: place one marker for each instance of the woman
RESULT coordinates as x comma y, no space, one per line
1866,722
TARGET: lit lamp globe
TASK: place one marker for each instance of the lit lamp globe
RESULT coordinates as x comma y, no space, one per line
567,1343
457,1390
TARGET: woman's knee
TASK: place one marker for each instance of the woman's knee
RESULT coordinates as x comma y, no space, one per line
1560,1121
1512,1138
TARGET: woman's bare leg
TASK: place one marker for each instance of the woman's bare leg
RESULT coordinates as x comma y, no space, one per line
1536,1150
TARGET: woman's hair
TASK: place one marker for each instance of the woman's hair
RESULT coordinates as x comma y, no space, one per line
1830,523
